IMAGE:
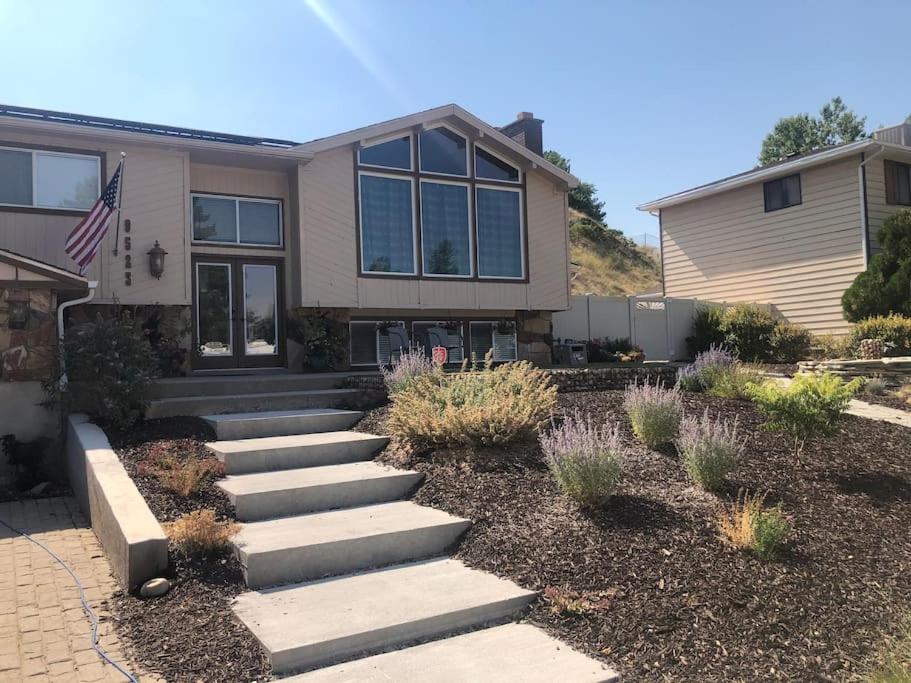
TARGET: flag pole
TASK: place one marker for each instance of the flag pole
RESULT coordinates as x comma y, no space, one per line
123,166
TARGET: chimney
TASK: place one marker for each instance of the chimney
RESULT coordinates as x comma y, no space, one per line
526,130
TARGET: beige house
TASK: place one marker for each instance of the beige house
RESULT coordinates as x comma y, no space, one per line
433,221
793,234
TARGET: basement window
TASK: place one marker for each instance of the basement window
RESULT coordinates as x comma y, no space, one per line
782,193
499,336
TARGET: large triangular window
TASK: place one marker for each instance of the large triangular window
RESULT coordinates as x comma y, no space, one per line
389,154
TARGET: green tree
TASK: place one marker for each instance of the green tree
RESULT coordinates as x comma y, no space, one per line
885,286
803,133
581,198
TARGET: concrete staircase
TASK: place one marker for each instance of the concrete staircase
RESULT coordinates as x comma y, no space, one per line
215,394
345,569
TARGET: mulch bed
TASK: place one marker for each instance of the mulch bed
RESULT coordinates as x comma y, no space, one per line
889,400
190,634
667,599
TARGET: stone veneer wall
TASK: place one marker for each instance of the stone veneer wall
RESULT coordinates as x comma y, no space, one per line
28,354
534,336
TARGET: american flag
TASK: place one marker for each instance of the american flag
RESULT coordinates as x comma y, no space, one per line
83,243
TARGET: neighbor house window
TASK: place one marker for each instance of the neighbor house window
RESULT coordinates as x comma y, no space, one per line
49,180
898,183
237,220
500,337
390,154
445,229
782,192
488,165
387,224
500,240
443,151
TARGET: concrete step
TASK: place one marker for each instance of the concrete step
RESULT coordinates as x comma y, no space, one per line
298,450
281,422
343,541
512,653
226,385
303,626
266,495
282,400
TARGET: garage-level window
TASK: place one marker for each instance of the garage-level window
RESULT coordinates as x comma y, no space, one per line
782,192
49,180
499,336
428,334
369,344
237,220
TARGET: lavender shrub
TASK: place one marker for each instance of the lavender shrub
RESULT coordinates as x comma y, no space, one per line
654,412
710,449
410,365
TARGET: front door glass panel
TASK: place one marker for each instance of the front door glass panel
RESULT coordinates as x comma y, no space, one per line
213,282
260,322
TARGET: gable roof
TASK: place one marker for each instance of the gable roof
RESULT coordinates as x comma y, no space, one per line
762,173
19,270
378,130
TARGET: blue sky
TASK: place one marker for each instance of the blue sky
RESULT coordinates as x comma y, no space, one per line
645,98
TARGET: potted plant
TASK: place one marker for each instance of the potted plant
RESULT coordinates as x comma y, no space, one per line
321,338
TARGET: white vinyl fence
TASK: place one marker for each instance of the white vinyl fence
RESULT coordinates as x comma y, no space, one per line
658,325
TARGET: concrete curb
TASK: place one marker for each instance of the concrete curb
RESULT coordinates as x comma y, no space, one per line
133,540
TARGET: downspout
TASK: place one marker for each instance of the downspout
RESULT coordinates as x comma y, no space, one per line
862,185
93,284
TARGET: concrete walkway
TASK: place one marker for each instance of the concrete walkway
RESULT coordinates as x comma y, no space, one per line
44,632
871,411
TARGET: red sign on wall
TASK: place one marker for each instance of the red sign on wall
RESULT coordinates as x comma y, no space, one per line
440,354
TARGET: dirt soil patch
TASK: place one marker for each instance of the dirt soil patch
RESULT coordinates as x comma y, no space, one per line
191,633
646,583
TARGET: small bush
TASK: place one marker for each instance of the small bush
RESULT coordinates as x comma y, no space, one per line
748,330
894,330
406,369
710,449
707,332
748,526
654,412
829,346
584,459
713,362
734,382
875,386
904,393
199,533
809,406
688,379
789,342
894,659
185,477
487,408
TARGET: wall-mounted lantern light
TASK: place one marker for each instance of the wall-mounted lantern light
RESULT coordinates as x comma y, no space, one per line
19,310
156,260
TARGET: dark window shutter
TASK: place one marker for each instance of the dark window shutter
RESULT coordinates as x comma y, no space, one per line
890,181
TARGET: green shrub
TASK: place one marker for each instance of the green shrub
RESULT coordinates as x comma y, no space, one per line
875,386
809,406
733,382
486,408
116,363
748,526
584,459
709,448
828,346
893,661
771,531
408,367
707,332
894,330
654,412
883,287
789,342
748,331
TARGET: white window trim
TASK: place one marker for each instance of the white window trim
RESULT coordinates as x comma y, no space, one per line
237,199
389,138
230,306
492,324
467,152
471,237
70,155
274,268
501,158
477,227
441,323
414,224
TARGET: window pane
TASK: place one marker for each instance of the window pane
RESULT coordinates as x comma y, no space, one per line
15,177
213,285
481,341
791,190
442,151
66,182
445,225
363,343
387,229
392,154
499,233
260,323
260,223
430,334
214,219
902,184
782,193
486,165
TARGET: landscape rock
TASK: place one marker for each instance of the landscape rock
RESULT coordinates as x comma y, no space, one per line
154,588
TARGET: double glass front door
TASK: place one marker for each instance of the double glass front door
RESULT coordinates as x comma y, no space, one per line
238,313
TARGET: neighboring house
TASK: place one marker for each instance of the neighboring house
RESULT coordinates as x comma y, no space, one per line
793,234
433,220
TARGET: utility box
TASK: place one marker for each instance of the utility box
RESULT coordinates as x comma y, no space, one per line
572,353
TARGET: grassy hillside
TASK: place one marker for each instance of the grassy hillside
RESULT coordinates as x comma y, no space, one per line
609,262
